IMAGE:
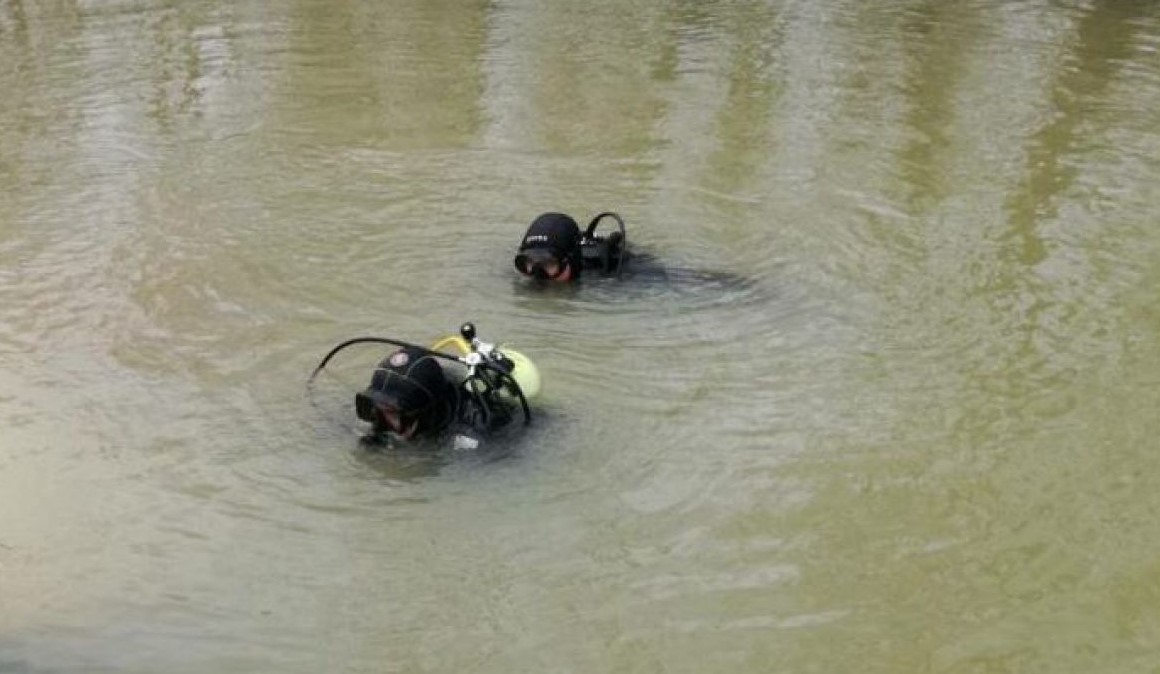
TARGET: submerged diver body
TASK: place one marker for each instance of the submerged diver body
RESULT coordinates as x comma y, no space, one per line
412,395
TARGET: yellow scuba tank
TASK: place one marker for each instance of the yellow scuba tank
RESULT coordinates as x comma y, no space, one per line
524,371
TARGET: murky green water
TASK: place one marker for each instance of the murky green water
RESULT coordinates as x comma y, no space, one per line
920,436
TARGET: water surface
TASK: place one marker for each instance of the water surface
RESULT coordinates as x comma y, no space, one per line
918,435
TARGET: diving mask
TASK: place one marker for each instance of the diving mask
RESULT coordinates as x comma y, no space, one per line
543,264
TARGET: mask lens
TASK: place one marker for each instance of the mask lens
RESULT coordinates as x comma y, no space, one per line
400,423
540,264
383,413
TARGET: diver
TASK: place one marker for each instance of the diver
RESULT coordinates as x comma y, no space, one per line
412,395
554,248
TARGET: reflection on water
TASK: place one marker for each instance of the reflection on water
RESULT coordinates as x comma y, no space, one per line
889,405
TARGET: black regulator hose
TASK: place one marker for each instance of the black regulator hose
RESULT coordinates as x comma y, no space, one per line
590,232
513,385
379,340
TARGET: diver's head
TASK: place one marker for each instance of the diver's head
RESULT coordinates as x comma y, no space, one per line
408,395
550,250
